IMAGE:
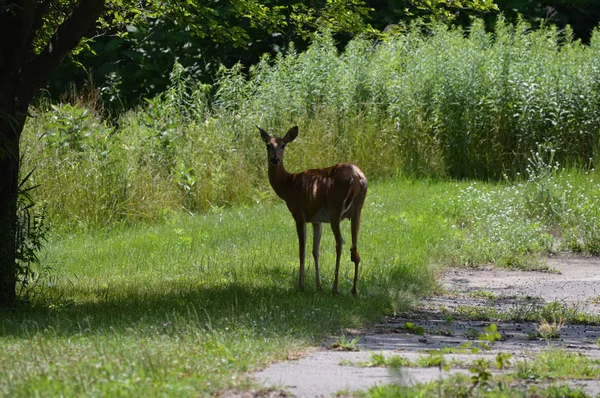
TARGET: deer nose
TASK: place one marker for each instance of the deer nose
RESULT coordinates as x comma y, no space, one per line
275,160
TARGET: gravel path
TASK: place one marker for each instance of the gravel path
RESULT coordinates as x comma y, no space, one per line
324,372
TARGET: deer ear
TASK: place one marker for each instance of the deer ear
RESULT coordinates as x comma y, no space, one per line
291,135
265,136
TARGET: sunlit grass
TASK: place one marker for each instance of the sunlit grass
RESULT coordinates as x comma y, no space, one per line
187,305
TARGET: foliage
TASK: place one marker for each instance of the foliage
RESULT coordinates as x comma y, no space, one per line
556,363
30,239
132,53
133,63
550,210
548,365
486,106
581,15
414,329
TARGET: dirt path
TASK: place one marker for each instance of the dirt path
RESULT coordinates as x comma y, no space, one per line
576,286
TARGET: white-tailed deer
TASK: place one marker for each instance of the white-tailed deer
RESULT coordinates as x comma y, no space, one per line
318,196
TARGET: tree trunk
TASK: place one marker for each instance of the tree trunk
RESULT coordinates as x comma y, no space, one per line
10,131
23,72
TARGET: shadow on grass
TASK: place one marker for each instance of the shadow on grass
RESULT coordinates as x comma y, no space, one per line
181,307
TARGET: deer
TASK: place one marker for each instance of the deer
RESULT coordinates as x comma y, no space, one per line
318,196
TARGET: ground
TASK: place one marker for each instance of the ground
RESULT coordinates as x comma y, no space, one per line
569,290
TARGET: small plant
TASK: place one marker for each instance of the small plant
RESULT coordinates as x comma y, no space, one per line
490,335
394,361
448,321
471,333
414,329
434,359
481,374
491,297
343,344
30,238
548,331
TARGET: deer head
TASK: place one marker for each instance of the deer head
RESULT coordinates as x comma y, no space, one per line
276,146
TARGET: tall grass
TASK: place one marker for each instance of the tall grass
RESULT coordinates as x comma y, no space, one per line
433,102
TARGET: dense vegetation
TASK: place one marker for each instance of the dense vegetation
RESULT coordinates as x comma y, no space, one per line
131,62
436,104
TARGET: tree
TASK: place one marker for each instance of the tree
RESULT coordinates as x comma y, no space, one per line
581,15
35,36
133,62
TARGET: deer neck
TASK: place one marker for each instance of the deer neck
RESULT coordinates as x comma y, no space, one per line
279,179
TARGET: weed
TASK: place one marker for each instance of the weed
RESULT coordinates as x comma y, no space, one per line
448,321
31,235
471,333
393,361
557,363
414,329
552,330
343,344
435,359
489,296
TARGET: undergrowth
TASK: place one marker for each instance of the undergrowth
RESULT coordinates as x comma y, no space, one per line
437,104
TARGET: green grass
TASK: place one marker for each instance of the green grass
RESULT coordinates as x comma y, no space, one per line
187,305
558,364
527,310
190,303
460,387
550,365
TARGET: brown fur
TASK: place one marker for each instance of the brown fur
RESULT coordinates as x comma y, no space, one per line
317,196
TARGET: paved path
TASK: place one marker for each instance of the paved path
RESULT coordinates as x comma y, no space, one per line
323,372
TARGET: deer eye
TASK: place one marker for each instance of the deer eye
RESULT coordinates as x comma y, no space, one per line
283,146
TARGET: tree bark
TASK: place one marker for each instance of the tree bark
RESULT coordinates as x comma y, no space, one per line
22,73
10,129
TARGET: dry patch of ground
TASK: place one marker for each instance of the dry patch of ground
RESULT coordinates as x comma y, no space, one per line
567,297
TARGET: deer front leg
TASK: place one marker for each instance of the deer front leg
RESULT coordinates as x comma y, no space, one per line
301,228
339,243
316,245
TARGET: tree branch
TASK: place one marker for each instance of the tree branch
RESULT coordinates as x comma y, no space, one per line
16,19
38,18
78,25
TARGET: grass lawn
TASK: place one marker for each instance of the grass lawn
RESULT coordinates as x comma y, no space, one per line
186,306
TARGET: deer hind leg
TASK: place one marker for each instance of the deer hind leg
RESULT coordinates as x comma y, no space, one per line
355,226
354,256
301,229
315,251
339,243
